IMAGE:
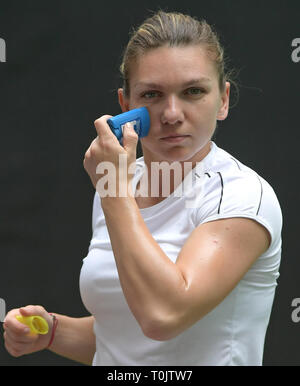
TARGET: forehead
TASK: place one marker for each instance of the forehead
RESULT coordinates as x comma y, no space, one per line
170,65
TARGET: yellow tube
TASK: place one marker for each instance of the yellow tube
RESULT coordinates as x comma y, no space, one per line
37,324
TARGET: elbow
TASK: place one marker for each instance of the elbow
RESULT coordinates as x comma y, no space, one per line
165,322
157,332
161,329
167,326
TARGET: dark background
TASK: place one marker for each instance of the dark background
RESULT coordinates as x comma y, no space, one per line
62,73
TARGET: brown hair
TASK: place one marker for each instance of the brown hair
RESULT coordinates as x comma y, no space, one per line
174,29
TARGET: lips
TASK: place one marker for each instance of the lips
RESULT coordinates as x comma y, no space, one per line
175,136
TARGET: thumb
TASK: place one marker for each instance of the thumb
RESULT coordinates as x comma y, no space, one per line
130,138
30,310
25,311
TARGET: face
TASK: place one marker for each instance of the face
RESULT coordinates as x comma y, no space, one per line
179,86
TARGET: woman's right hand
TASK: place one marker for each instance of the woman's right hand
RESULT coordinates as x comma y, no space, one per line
17,336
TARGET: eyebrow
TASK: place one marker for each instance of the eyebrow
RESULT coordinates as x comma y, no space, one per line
185,84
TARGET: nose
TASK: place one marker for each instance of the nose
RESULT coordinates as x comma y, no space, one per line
172,112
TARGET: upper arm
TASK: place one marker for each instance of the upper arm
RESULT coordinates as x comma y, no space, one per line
214,259
220,251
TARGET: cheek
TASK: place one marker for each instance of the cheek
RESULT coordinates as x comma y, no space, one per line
207,112
154,122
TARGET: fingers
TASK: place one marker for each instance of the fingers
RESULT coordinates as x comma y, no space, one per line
11,345
102,127
12,324
17,336
106,148
105,136
18,344
35,310
32,310
130,138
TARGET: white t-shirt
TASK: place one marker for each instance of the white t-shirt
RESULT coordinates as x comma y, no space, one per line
231,334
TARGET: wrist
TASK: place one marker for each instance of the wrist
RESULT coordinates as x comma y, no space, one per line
117,205
53,330
122,190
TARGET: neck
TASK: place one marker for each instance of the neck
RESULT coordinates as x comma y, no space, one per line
163,176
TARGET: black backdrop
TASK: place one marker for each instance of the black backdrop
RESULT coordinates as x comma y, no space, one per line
61,73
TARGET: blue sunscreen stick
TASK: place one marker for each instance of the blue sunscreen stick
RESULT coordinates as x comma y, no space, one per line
138,117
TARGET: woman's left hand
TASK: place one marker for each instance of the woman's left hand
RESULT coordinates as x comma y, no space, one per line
107,162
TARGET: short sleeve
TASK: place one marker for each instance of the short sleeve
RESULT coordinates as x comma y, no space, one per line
244,194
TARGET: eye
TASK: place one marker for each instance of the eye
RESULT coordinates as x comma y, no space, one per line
194,91
149,94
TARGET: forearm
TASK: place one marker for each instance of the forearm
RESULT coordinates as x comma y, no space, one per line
74,338
153,285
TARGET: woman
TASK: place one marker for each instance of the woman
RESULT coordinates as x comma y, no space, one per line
169,283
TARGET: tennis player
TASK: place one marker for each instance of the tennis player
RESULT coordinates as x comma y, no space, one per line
176,278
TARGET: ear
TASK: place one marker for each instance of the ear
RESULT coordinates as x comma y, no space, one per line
123,101
223,111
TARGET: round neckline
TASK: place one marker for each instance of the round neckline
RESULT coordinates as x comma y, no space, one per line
153,208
